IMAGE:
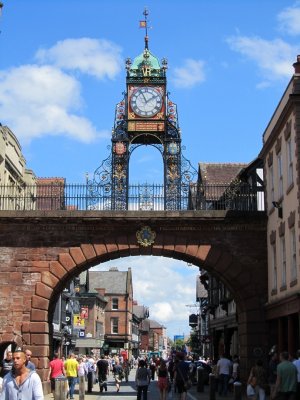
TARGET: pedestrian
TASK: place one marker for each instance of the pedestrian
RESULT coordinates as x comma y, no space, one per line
6,364
82,370
181,376
142,379
119,374
102,371
21,383
29,363
236,369
91,373
56,370
71,367
297,365
258,380
152,368
273,363
224,367
286,381
171,366
163,379
126,368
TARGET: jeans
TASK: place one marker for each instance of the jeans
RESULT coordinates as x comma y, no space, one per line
260,393
90,378
223,384
72,382
140,390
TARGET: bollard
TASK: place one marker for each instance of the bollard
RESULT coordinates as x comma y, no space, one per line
81,387
237,391
59,391
200,379
212,387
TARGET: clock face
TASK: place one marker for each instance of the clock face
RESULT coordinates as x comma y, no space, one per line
146,102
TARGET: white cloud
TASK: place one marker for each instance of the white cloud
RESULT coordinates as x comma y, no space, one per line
99,58
42,100
289,20
191,74
164,285
162,311
272,57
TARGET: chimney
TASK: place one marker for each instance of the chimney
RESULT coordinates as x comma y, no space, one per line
296,65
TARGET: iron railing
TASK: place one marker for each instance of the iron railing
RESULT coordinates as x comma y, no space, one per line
146,197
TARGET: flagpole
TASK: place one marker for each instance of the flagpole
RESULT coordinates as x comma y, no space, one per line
146,13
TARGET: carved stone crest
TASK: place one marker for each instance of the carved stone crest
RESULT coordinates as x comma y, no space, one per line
145,236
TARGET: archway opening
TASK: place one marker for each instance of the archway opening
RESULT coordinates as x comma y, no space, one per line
146,166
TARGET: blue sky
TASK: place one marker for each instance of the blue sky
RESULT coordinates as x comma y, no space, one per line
62,73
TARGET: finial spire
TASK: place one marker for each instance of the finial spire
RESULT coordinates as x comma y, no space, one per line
144,24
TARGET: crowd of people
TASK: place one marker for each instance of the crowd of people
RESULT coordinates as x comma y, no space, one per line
278,379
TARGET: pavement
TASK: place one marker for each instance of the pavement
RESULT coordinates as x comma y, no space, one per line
193,394
129,391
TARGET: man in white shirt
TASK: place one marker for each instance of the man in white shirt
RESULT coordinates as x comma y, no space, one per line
224,367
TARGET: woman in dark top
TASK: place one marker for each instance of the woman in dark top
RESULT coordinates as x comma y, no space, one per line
163,379
181,376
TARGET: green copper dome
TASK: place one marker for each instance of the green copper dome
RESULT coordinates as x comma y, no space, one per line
146,60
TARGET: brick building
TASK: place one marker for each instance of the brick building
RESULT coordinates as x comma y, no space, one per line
116,287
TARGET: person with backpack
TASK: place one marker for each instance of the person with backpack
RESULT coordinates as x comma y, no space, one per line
142,380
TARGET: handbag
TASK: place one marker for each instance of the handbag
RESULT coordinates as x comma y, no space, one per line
250,390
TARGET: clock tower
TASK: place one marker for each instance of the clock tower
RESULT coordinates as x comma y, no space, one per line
145,116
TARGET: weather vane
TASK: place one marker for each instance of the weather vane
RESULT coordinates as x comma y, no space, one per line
144,24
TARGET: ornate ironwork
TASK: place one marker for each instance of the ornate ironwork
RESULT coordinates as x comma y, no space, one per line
146,197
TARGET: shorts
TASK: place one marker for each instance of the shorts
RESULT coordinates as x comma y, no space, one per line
162,383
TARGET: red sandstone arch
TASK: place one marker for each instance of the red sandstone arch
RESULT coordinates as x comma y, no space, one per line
35,268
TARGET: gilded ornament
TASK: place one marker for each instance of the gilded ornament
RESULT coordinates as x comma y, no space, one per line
145,236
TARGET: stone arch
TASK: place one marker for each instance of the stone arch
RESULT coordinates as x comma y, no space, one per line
214,259
35,266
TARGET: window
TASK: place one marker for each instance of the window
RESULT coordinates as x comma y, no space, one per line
115,304
274,267
289,149
283,262
293,255
114,322
280,177
271,178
